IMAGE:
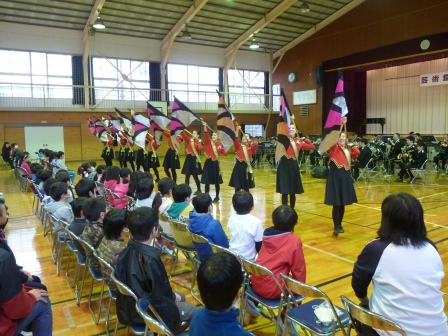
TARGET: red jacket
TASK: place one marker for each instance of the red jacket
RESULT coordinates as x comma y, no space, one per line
209,153
167,134
196,142
120,189
251,149
307,145
337,155
15,302
281,252
151,143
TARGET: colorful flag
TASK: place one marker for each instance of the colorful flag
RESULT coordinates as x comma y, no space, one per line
126,123
283,137
100,129
114,124
181,117
141,127
159,121
91,126
333,125
226,127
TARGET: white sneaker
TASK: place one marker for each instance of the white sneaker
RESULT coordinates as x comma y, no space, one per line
1,194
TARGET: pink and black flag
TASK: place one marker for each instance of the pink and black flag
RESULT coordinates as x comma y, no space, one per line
140,126
126,123
333,125
159,121
100,128
114,124
181,117
284,121
226,127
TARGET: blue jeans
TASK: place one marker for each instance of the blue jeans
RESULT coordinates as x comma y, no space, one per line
40,318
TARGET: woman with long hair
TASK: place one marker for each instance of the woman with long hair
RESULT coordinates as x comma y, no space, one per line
6,154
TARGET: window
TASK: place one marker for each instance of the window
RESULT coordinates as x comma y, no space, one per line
119,79
254,130
247,86
35,75
191,83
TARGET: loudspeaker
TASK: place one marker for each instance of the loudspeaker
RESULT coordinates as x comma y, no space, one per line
319,76
319,172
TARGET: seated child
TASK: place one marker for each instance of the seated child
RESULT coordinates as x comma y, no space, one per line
85,188
181,207
144,193
80,222
202,223
281,252
60,208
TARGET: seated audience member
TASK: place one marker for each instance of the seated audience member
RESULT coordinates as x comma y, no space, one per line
19,308
112,243
144,193
202,223
406,270
85,188
64,176
99,172
58,163
35,170
79,222
25,165
94,210
246,232
112,182
281,252
46,191
122,188
181,207
43,176
26,277
60,208
219,281
148,279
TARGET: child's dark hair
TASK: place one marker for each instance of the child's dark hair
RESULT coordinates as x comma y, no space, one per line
105,172
93,164
134,177
93,208
44,174
59,154
243,202
84,187
63,176
284,218
124,174
36,167
181,192
47,185
141,223
202,203
57,190
77,205
100,169
113,223
113,174
145,187
219,280
164,185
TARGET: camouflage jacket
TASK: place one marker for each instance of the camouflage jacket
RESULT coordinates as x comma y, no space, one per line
109,251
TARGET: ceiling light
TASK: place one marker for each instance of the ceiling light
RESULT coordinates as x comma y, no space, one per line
186,34
254,44
304,8
99,24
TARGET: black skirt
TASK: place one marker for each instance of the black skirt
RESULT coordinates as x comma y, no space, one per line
107,153
152,161
140,157
289,180
211,173
171,160
241,178
130,155
191,166
340,189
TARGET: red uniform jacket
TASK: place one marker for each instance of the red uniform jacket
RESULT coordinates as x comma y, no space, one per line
337,155
251,149
151,143
167,134
209,153
197,144
307,145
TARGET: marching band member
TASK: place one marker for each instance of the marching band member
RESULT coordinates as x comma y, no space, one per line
443,154
108,152
152,161
363,158
192,164
171,160
416,160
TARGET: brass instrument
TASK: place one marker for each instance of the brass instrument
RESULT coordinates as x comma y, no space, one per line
405,153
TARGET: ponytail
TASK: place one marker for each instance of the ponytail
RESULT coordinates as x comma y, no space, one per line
157,202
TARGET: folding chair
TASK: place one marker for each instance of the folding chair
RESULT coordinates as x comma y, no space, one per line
419,172
72,249
367,172
371,319
304,314
96,276
156,325
125,290
198,239
183,243
37,199
107,270
81,264
218,249
273,306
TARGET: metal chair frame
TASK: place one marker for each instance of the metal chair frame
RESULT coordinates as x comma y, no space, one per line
197,238
420,172
156,325
371,319
305,290
80,264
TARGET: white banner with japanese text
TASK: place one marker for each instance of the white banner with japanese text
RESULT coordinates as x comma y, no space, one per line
438,78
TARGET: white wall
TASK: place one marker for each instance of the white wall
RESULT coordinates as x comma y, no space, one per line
34,38
395,93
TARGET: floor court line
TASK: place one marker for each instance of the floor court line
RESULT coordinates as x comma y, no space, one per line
328,253
365,206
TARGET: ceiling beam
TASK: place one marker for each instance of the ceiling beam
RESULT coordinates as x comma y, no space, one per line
168,40
96,9
317,27
263,22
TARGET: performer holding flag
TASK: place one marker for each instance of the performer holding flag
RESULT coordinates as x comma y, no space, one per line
340,190
181,118
289,181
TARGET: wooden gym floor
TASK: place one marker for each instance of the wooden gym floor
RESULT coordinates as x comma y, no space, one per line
329,259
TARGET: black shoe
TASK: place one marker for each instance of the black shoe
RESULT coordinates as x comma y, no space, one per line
399,180
216,200
197,192
340,229
335,233
157,180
